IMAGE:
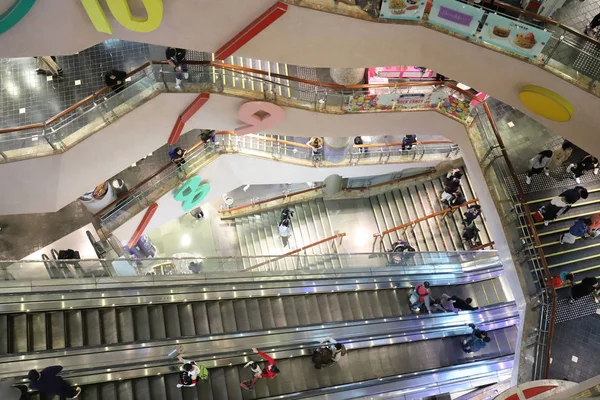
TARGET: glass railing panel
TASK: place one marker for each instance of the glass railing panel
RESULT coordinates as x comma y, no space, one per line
24,144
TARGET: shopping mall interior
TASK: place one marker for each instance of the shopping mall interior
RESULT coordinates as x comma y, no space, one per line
299,199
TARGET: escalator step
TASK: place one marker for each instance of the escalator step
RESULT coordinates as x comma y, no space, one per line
291,315
355,306
241,315
3,334
141,324
324,307
200,318
157,322
218,383
108,391
92,327
141,389
125,323
228,316
109,326
278,312
312,307
125,390
90,393
57,330
75,329
172,320
38,327
173,392
234,391
254,314
364,300
157,388
214,317
345,308
18,333
266,313
186,322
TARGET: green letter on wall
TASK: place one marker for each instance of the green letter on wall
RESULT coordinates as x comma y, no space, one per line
14,14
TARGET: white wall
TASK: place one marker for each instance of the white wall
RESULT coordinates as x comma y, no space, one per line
231,171
306,37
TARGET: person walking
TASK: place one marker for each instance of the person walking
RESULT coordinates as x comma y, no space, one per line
191,371
420,296
115,79
269,372
286,213
177,156
359,140
579,229
338,350
454,175
457,199
316,145
561,156
539,164
47,66
591,29
587,163
176,59
408,141
49,382
587,286
463,305
473,211
562,203
450,188
477,341
448,303
285,231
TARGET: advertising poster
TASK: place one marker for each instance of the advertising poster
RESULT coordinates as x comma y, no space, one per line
514,36
456,108
402,9
455,16
394,102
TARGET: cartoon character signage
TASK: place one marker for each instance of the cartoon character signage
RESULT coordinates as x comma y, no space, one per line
514,36
403,9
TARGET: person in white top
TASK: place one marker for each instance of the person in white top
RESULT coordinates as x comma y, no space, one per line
338,350
538,164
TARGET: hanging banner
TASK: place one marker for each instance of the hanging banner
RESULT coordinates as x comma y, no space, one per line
514,36
455,16
460,109
395,102
402,9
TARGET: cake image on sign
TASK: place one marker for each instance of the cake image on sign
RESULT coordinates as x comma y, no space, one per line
501,32
397,6
525,40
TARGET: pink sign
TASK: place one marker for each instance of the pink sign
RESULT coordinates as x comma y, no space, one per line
259,115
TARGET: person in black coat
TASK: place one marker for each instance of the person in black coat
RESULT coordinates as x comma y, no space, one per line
582,289
49,382
115,79
464,305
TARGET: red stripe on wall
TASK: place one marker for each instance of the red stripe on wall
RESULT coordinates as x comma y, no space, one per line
194,106
176,132
249,32
139,231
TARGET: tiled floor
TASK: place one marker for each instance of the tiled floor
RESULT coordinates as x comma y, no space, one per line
572,358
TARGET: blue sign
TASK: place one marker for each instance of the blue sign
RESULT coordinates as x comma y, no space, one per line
455,16
514,36
403,9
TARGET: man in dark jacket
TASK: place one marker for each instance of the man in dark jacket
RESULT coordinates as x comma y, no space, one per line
464,305
115,79
587,286
47,381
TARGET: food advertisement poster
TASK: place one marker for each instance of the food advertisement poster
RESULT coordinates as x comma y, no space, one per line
395,102
402,9
455,16
514,36
457,108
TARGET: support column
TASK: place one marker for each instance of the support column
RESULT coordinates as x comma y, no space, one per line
335,148
333,185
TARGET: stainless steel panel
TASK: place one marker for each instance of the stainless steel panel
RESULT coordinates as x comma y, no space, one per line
228,316
37,324
18,333
74,329
125,324
201,319
241,315
172,320
109,326
141,323
157,322
186,319
266,313
92,328
214,317
57,330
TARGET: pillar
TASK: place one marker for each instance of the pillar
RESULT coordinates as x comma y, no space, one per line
333,185
347,76
335,148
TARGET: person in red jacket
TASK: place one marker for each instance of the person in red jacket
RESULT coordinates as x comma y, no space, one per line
269,372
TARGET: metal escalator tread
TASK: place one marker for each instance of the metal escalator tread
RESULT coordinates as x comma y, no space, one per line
92,327
4,349
266,313
173,392
157,322
191,394
302,310
201,318
141,389
346,309
109,325
335,311
125,323
75,329
38,334
291,313
234,391
214,317
278,312
355,306
157,388
17,327
228,316
254,314
141,323
108,391
172,320
91,393
364,302
240,314
375,304
125,390
314,311
186,321
324,307
218,383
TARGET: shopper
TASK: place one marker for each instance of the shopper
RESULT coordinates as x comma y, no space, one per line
450,188
207,135
564,279
579,229
191,372
448,303
419,297
595,226
285,231
464,305
176,59
269,372
338,350
316,145
561,156
115,79
49,382
408,141
561,204
177,156
587,163
358,140
587,286
473,211
321,357
454,175
286,213
539,164
47,66
591,29
470,233
10,392
401,246
457,199
476,341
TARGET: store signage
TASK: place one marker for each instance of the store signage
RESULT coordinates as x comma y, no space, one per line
514,36
14,14
122,13
455,16
395,102
191,193
119,9
402,9
259,115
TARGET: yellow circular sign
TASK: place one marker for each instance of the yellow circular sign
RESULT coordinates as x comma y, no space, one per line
546,103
